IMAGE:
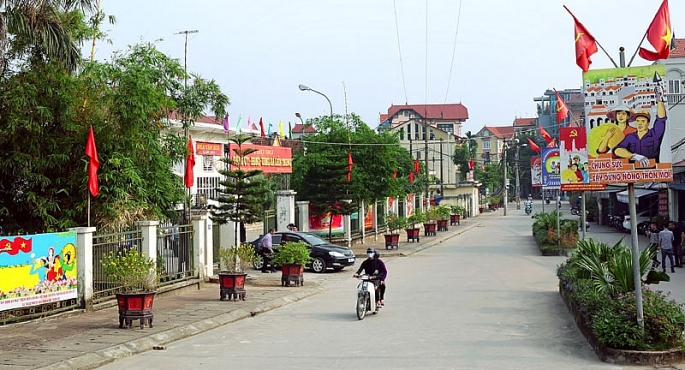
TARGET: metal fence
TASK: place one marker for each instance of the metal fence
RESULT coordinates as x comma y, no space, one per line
175,259
105,288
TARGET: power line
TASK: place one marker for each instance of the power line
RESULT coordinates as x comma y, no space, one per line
454,51
399,49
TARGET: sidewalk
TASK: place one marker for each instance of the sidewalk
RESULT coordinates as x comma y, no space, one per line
86,340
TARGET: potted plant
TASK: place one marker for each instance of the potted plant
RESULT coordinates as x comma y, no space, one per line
292,257
135,274
430,225
395,224
443,212
413,232
234,262
457,212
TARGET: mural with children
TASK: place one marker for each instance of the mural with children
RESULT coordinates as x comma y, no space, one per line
37,269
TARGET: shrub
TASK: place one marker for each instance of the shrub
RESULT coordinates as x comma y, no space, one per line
131,270
292,253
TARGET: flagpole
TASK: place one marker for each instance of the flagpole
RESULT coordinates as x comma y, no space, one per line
92,56
607,54
637,49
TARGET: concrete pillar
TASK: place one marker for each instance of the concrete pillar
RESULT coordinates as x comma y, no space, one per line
148,232
362,219
375,220
209,248
347,225
199,222
84,263
303,207
285,208
227,234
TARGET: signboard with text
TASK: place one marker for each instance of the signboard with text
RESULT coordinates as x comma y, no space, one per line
536,171
628,134
551,168
575,169
205,148
270,159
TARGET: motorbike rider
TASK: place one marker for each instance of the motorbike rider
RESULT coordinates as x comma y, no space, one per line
375,268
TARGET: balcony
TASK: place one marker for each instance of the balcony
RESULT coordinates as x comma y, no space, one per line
675,99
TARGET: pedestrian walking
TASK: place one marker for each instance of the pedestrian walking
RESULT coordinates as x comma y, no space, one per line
268,251
666,247
678,234
653,246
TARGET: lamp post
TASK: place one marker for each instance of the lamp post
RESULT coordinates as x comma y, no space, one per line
518,184
298,115
307,88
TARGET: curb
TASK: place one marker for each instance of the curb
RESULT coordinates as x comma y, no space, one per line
154,341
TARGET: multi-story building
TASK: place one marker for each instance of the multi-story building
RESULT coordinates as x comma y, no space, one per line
491,141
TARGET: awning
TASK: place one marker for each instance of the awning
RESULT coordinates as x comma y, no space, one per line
623,196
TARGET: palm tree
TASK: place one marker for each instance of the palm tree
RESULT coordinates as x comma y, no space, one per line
41,29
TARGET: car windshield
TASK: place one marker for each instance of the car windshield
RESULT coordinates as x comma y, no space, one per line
313,240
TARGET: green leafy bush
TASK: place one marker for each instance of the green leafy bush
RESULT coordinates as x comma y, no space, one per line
292,253
597,281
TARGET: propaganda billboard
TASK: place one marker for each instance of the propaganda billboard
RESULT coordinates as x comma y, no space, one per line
536,171
575,168
319,224
270,159
628,135
37,269
551,168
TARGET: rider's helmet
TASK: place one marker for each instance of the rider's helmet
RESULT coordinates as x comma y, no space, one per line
370,252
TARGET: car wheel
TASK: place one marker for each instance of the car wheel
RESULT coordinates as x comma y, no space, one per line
319,265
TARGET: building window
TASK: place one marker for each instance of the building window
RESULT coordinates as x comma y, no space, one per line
208,186
207,163
674,86
409,131
416,131
447,127
486,145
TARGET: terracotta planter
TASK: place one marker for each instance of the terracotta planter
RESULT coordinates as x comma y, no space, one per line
455,219
392,240
135,306
442,225
413,234
429,229
231,285
292,273
481,209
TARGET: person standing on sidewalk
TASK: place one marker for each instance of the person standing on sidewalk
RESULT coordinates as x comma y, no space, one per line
666,246
653,235
268,251
677,231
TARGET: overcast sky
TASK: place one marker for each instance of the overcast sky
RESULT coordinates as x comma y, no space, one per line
382,52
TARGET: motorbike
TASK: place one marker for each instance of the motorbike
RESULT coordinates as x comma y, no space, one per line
366,296
575,210
547,200
529,208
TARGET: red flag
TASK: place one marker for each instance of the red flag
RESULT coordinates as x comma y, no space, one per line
93,164
350,164
533,146
472,164
544,134
586,45
659,34
417,166
261,126
552,143
411,176
394,175
562,109
189,179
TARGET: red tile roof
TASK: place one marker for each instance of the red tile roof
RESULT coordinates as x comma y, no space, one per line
433,111
502,132
203,119
679,50
521,122
383,117
302,129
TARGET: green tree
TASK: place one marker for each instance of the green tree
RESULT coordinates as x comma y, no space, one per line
464,152
46,115
241,193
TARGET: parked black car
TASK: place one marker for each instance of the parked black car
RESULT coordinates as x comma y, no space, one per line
325,254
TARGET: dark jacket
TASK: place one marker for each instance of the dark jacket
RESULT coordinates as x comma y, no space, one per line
375,267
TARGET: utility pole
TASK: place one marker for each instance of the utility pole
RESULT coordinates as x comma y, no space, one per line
518,184
425,139
442,173
504,180
186,204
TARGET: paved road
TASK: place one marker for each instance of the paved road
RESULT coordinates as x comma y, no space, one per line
485,299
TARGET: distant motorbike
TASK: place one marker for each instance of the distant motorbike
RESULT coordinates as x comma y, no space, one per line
547,200
529,208
575,210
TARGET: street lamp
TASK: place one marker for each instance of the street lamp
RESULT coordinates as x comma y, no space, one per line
518,184
298,115
307,88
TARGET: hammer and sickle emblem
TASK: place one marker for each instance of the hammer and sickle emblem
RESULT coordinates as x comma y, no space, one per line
573,133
